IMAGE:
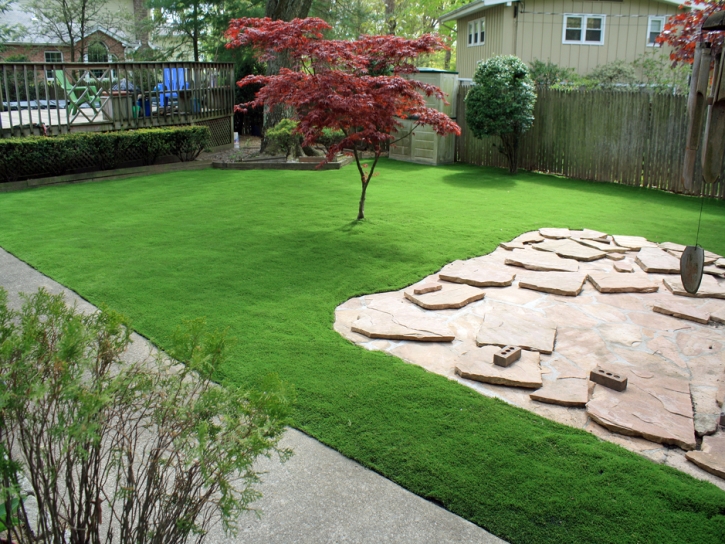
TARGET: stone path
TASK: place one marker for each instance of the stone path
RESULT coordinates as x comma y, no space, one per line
570,314
318,496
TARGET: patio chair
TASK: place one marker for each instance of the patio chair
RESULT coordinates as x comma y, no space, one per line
88,94
174,80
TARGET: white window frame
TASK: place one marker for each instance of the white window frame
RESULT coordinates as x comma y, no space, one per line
49,75
663,19
584,17
475,29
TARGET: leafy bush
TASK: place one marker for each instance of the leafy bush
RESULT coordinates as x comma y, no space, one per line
658,74
615,73
140,452
501,103
188,142
284,137
330,137
26,157
547,74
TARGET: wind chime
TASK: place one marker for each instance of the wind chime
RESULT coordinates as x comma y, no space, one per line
713,145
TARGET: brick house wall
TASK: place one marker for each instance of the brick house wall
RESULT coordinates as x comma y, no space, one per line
36,52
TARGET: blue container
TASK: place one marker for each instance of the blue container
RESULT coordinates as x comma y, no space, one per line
145,106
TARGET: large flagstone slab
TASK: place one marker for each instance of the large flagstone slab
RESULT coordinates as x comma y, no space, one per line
478,275
714,270
720,263
606,247
668,307
528,331
564,392
557,283
588,234
569,249
707,411
712,456
710,257
451,296
653,407
709,288
510,246
540,260
671,246
613,282
555,233
654,260
529,237
634,243
398,321
477,364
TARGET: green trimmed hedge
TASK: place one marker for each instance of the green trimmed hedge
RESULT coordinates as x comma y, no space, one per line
38,156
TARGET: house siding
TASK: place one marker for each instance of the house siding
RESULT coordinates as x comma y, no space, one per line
537,32
468,57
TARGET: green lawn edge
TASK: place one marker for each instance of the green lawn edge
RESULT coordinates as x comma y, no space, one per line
269,255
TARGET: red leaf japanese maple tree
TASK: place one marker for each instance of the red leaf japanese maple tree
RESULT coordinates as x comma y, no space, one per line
353,86
684,30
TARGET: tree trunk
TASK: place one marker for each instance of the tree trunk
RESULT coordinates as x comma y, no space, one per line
196,34
361,209
390,20
447,60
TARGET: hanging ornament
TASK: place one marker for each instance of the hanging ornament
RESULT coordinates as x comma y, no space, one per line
692,264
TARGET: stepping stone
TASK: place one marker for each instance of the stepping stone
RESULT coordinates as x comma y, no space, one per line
720,263
555,233
588,234
570,249
529,331
683,312
670,246
450,297
430,287
622,283
477,275
710,257
634,243
712,456
654,260
714,271
557,283
623,267
709,288
477,364
510,246
707,411
529,237
540,260
615,256
564,392
399,321
656,408
606,247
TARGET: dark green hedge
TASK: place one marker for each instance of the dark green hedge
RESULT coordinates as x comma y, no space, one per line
36,156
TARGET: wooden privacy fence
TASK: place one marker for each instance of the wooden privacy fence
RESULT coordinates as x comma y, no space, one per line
632,138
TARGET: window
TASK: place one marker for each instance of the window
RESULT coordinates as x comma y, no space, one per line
583,29
655,26
476,32
97,53
52,57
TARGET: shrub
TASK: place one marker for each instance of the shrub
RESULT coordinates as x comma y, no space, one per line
188,142
284,136
617,73
153,451
35,156
501,103
547,74
330,137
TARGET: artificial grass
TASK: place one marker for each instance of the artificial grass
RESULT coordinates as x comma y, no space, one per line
269,255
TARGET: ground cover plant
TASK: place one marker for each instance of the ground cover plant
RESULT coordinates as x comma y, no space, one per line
269,255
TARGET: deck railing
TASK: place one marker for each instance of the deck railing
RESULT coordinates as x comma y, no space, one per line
68,97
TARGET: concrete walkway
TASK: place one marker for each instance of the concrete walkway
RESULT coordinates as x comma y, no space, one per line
318,495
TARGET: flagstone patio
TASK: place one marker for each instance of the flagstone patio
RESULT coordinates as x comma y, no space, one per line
572,310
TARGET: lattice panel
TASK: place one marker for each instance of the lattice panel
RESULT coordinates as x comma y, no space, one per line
220,129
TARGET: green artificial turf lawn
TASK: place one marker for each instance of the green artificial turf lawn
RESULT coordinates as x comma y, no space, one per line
270,255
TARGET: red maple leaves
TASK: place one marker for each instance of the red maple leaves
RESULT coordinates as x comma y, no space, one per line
684,30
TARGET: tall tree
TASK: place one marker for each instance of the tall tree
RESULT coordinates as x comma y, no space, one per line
8,32
683,30
356,87
70,21
502,104
186,19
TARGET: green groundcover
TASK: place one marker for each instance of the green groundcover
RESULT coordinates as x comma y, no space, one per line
269,255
